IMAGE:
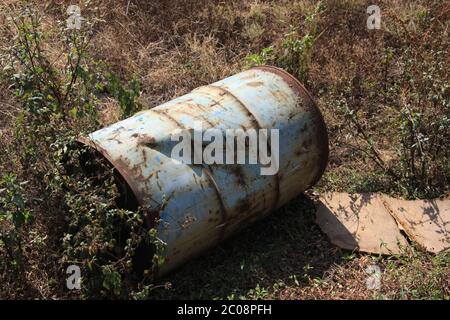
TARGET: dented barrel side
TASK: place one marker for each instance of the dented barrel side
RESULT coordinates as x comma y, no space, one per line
200,205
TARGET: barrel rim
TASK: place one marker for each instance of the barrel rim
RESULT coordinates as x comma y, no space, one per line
87,141
322,132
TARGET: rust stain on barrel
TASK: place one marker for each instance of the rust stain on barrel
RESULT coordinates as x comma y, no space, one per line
168,116
223,210
224,91
321,129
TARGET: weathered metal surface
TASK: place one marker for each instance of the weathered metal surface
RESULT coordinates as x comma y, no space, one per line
200,205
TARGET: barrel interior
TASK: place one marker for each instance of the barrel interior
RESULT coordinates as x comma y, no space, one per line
94,165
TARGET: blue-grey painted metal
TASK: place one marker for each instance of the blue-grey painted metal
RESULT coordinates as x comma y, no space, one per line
197,206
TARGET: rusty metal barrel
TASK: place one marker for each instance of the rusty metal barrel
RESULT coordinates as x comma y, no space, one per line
198,206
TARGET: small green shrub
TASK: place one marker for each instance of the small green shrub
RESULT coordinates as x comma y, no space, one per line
14,219
127,98
102,237
294,52
57,105
265,57
419,129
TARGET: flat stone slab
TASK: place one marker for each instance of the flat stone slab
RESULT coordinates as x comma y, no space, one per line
426,222
373,222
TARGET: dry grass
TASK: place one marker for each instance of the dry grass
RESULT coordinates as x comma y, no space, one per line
173,47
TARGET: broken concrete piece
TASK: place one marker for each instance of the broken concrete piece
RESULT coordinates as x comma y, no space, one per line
360,222
373,222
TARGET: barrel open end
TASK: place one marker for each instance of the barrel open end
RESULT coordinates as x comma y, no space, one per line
127,199
90,160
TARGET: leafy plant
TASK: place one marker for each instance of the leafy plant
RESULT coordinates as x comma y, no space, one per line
102,238
419,135
266,55
101,235
14,218
294,52
127,98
